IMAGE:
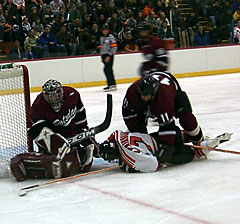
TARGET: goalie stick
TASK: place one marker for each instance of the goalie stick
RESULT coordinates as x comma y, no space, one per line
23,191
93,131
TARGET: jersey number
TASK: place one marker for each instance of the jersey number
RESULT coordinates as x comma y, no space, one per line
136,140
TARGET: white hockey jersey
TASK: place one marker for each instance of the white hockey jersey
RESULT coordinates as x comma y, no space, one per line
137,150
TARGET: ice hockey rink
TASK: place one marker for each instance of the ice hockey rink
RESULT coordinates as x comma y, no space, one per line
203,191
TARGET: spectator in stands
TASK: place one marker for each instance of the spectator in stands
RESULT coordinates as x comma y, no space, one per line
83,40
122,36
22,14
15,52
55,6
95,31
32,42
201,38
148,8
98,11
84,10
58,23
162,18
236,15
115,24
48,41
132,5
26,27
92,46
130,44
64,14
29,54
37,27
76,28
87,22
213,33
73,2
237,33
19,3
11,8
173,2
48,16
151,18
124,13
216,14
132,23
111,9
140,18
74,13
159,7
29,4
34,14
191,20
164,31
65,41
101,21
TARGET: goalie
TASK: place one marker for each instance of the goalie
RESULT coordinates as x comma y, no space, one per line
56,114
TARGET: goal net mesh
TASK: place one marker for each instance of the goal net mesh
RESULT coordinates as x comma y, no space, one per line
13,112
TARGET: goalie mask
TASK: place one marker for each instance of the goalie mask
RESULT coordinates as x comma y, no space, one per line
53,94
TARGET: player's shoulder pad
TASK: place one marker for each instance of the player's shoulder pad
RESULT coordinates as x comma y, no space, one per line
69,91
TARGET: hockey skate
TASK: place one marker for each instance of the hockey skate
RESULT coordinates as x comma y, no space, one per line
211,143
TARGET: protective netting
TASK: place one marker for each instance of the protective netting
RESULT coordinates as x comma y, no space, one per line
13,127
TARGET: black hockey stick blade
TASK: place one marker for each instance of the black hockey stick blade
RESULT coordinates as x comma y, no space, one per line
93,131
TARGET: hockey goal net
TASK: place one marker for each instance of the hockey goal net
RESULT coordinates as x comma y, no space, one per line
14,111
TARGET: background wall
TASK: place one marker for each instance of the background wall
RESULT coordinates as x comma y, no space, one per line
88,71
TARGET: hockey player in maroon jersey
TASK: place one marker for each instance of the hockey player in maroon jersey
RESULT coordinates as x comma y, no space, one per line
154,50
56,114
139,152
159,96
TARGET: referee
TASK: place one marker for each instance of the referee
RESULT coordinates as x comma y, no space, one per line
108,47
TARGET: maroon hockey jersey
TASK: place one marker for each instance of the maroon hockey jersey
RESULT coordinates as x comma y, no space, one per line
68,121
155,55
162,108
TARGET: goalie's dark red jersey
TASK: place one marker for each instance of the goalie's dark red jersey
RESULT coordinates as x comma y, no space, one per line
68,121
155,55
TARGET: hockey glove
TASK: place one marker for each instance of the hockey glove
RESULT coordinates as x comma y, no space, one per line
164,153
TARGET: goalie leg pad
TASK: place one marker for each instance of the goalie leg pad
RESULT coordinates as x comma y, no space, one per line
32,165
17,168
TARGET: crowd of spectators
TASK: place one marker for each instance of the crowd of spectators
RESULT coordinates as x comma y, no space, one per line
43,28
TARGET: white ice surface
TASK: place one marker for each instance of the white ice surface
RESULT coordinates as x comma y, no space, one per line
203,191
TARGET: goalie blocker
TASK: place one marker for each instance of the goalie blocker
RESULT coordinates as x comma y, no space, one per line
60,160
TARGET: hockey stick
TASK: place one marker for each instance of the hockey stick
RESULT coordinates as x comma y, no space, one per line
93,131
214,149
24,190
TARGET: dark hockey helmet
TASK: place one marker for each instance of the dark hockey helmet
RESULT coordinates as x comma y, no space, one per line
53,94
148,86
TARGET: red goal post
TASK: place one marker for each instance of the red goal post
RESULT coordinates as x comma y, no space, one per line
14,111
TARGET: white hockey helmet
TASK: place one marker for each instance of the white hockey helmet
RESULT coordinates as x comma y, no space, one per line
53,94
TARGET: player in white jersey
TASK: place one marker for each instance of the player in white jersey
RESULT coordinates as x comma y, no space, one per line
139,152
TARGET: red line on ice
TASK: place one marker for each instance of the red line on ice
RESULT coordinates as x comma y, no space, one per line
146,204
